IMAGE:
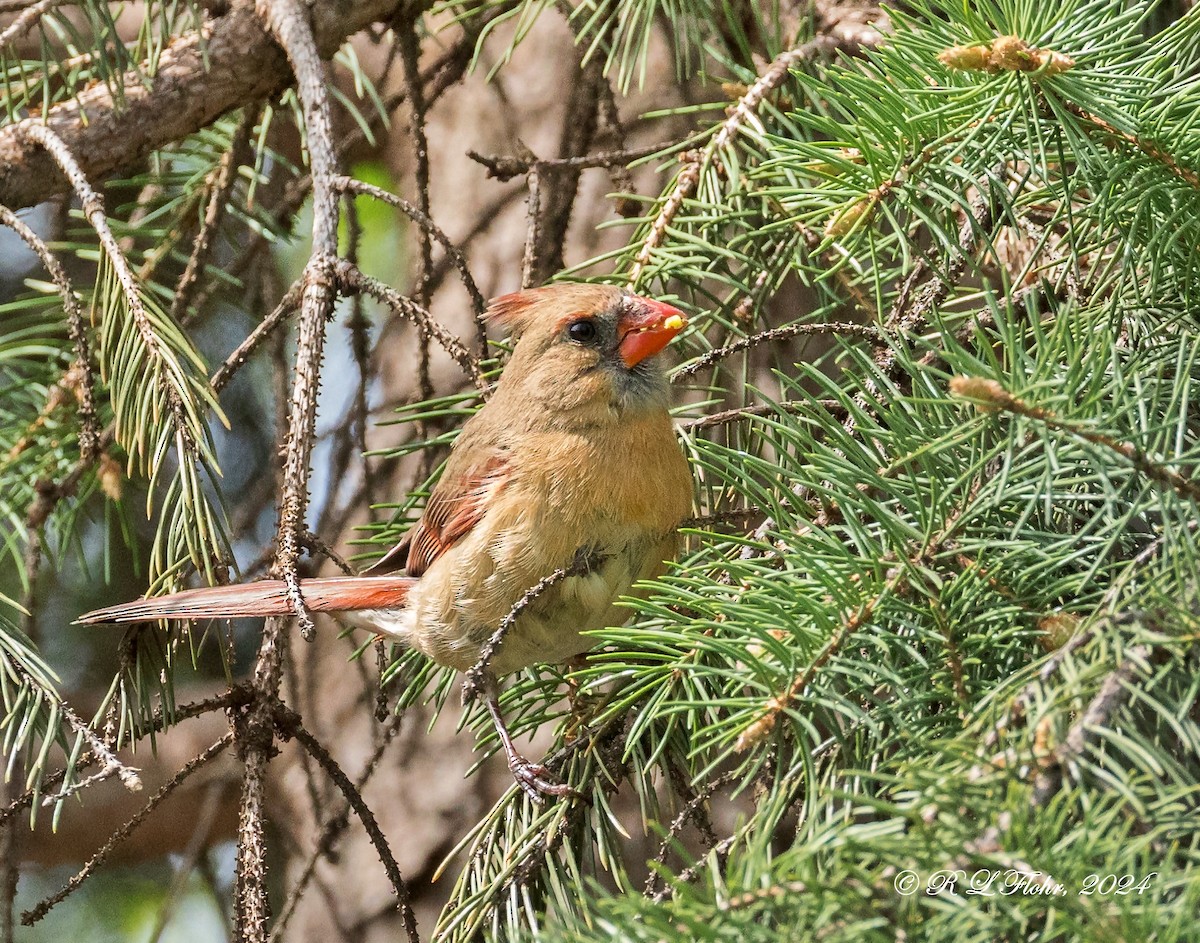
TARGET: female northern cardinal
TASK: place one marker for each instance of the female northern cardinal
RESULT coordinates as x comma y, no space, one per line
571,466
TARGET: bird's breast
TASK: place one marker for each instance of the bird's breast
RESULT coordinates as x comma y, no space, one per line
618,494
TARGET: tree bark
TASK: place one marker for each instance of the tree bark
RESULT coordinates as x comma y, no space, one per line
232,61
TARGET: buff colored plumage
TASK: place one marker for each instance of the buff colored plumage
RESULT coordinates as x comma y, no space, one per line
574,457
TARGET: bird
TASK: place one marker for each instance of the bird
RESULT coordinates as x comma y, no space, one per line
563,491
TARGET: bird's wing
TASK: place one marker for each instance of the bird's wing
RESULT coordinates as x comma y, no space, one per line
456,505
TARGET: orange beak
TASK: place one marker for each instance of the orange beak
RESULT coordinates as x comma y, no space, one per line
650,330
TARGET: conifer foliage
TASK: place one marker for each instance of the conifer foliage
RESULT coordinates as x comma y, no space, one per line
928,663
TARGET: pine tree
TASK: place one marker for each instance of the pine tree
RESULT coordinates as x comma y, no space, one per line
927,665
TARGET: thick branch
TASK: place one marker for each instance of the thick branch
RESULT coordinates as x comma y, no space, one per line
199,78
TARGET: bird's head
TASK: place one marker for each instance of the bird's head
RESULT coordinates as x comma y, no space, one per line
587,348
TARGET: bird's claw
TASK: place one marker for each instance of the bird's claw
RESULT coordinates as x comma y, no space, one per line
536,780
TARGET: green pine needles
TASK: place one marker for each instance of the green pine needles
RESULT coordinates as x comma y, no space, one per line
927,667
957,647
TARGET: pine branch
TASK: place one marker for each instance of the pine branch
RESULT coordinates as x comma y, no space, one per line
197,79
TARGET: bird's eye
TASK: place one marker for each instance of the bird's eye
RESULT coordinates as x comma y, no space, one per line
582,332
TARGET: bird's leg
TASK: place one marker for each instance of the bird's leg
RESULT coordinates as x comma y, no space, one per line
534,778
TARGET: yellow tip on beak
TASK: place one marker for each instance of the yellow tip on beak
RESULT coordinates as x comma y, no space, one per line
676,322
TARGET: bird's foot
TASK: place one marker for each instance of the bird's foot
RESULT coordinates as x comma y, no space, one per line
536,780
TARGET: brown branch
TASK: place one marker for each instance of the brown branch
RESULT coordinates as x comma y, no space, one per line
1150,149
93,209
231,60
443,73
288,22
533,239
32,916
422,219
691,811
332,828
556,193
505,167
289,725
475,682
351,280
159,722
100,750
287,305
409,45
214,213
776,334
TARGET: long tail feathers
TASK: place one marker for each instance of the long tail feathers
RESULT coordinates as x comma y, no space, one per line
264,598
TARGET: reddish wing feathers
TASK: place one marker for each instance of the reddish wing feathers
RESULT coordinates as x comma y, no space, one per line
455,506
264,598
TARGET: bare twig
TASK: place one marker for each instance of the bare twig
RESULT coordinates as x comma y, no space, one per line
331,829
288,22
289,725
287,305
719,850
690,811
727,416
505,167
100,750
475,682
215,212
533,211
422,219
32,916
351,279
159,722
776,334
93,209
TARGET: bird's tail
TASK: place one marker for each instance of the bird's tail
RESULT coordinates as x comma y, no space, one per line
264,598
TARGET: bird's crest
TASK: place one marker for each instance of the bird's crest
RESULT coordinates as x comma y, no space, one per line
519,310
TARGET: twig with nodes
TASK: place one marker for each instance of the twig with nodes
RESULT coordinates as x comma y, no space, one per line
776,334
268,325
288,724
453,252
214,213
331,829
690,811
33,915
159,723
93,210
351,280
405,26
505,167
288,23
100,750
719,851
